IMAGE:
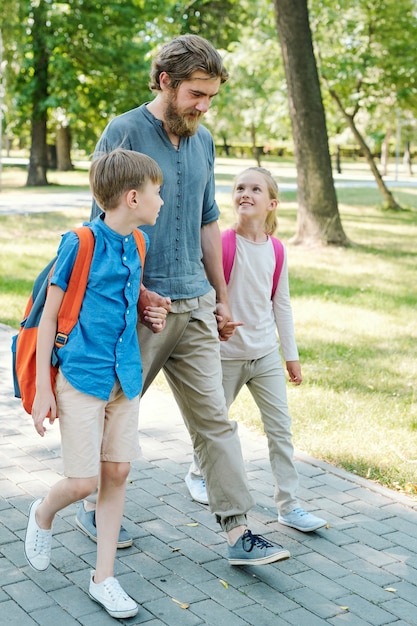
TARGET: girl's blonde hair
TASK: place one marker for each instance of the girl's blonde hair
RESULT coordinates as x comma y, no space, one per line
113,173
271,222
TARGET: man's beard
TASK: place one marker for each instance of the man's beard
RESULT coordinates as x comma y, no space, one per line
181,124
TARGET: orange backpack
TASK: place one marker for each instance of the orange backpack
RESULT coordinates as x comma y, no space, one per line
24,343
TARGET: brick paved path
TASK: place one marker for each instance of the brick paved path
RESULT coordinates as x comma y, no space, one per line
362,570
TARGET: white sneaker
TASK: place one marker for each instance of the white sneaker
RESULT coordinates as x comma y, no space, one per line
197,488
302,520
37,541
111,596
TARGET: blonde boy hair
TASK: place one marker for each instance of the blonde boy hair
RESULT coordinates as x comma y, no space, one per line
113,173
271,222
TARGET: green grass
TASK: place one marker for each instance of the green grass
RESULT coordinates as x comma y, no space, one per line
355,319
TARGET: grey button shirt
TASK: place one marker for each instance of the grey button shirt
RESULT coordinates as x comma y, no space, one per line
173,264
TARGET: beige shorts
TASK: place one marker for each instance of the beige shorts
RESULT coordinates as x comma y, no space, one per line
94,430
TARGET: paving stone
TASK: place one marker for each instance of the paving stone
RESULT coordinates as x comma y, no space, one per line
402,609
319,605
213,613
11,613
362,587
28,595
303,616
371,539
378,575
321,584
376,616
277,603
260,615
171,614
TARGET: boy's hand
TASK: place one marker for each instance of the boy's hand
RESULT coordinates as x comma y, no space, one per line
43,405
155,318
149,309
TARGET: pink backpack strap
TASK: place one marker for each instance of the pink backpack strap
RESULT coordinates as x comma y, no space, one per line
279,260
229,251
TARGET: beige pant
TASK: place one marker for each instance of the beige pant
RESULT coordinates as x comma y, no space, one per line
188,351
94,430
266,380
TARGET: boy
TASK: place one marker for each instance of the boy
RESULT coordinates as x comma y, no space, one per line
99,378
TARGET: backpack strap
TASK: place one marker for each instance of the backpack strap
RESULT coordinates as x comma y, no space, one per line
279,260
229,251
74,295
141,245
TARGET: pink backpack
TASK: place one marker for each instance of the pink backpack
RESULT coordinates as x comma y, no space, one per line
229,251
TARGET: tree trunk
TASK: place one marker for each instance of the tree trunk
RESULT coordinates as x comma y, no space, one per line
407,157
318,214
387,195
385,152
63,149
255,149
38,151
38,155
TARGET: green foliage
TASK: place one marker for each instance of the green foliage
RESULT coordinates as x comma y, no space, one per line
98,55
203,17
252,106
367,53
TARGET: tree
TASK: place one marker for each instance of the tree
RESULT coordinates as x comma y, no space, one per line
318,220
367,59
255,92
38,161
85,59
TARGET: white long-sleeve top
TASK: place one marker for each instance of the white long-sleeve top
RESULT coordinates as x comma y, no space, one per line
249,290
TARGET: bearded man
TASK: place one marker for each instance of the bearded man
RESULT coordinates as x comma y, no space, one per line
183,272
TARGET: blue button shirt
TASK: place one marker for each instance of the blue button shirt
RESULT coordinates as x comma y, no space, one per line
103,345
173,265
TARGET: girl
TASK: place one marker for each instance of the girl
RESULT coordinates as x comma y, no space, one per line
251,356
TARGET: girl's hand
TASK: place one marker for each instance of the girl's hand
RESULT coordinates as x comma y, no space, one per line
294,371
228,330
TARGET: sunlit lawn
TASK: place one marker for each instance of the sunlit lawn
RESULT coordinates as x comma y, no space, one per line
356,325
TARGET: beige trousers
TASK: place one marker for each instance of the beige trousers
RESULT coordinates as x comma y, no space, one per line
188,351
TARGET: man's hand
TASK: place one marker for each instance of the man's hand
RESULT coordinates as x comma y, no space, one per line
225,325
153,309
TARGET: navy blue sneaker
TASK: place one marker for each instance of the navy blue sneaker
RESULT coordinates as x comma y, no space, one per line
255,550
86,521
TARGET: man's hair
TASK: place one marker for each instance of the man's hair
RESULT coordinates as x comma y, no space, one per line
184,55
113,173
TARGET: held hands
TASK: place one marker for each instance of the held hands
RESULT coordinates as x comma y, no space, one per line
153,309
43,405
294,371
154,317
225,325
